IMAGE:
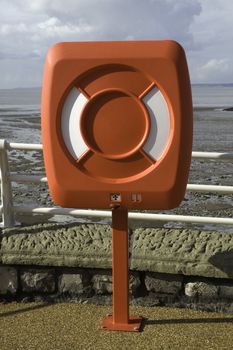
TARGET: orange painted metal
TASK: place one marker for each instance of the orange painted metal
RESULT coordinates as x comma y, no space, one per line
114,123
116,106
120,320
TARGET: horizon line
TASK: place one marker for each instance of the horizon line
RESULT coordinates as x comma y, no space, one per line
40,87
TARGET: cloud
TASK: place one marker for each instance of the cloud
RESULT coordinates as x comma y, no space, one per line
6,29
213,32
53,27
25,72
28,28
215,65
109,19
216,70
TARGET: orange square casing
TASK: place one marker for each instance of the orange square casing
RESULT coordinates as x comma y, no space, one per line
117,124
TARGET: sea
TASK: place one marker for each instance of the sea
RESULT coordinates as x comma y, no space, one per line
213,131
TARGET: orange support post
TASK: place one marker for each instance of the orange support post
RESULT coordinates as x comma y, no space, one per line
120,320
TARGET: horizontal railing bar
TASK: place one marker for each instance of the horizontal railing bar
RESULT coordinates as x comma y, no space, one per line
28,178
209,188
212,155
190,187
180,218
132,215
24,146
63,211
195,155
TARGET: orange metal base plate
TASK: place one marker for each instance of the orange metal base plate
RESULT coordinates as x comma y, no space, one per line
133,325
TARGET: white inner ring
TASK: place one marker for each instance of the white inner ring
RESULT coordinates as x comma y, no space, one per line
160,123
70,119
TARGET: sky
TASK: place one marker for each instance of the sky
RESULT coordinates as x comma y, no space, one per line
29,27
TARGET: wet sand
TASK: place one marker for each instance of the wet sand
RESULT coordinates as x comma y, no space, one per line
213,131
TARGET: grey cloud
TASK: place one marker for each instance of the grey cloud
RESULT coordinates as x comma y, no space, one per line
28,28
121,19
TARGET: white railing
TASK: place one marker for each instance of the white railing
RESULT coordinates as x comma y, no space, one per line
8,209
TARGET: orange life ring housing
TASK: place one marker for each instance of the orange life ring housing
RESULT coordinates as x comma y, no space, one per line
117,124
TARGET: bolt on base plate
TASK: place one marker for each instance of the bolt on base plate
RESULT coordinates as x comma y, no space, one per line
133,325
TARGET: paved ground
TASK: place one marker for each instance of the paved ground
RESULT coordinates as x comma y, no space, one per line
73,326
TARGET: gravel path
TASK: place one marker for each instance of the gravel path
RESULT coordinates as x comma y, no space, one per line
73,326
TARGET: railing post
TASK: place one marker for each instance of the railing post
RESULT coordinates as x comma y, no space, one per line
6,191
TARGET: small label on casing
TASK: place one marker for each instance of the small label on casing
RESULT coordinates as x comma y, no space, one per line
115,197
136,197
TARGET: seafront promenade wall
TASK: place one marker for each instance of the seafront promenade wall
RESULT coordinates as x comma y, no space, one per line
179,267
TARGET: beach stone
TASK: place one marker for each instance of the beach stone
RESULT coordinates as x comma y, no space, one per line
163,283
226,291
59,245
8,280
73,283
102,283
34,280
163,250
134,282
202,290
182,251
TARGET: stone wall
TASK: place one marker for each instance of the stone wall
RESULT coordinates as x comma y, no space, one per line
95,286
54,262
174,251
